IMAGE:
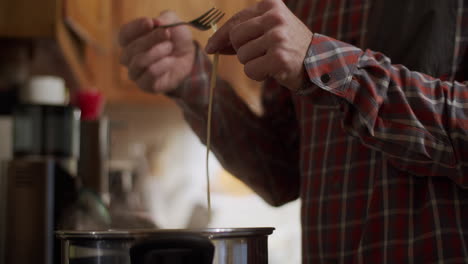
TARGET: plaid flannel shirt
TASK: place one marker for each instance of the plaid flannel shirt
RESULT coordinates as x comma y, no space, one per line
378,154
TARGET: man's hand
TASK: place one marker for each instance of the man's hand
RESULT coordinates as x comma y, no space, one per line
269,40
158,59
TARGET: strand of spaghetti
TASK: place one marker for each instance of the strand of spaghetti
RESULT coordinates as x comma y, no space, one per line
208,126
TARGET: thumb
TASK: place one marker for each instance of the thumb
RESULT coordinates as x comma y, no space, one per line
167,17
220,41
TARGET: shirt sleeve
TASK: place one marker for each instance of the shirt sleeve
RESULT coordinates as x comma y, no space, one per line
419,121
262,151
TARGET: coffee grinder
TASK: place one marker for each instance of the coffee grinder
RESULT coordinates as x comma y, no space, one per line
41,177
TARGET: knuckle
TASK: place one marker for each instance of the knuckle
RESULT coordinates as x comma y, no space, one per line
154,38
267,4
234,39
144,24
280,56
157,51
242,56
237,19
168,16
276,18
127,34
278,36
153,70
136,62
154,85
251,73
241,59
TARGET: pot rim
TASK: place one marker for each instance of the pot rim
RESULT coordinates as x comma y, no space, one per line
211,233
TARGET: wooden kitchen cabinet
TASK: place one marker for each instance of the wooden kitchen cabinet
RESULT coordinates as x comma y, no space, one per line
86,32
90,19
28,18
229,67
72,24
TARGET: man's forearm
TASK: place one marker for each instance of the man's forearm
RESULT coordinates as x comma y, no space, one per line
257,150
416,119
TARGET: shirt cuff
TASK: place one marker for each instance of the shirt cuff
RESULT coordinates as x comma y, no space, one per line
329,64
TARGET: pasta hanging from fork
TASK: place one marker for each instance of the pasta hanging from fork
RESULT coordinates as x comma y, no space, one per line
208,124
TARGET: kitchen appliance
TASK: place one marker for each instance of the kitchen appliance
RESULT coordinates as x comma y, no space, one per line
3,189
6,137
41,177
6,151
46,130
39,189
44,124
232,245
44,90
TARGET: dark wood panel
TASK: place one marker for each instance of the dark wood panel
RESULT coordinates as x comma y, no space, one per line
27,18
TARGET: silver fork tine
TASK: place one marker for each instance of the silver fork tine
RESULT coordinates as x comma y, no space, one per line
203,22
204,14
209,18
214,20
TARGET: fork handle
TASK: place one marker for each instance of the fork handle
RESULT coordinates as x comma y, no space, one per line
173,25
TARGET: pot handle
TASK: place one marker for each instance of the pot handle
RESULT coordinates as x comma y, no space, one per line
173,249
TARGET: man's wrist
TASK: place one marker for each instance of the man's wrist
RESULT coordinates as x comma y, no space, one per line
330,63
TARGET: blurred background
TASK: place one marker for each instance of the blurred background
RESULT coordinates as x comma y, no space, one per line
125,159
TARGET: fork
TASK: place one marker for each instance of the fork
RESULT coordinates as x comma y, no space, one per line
203,22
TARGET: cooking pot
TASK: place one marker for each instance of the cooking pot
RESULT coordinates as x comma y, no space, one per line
214,245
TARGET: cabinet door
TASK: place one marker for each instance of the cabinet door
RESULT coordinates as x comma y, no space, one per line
90,19
229,68
27,18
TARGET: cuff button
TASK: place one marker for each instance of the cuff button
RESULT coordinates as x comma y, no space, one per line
325,78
